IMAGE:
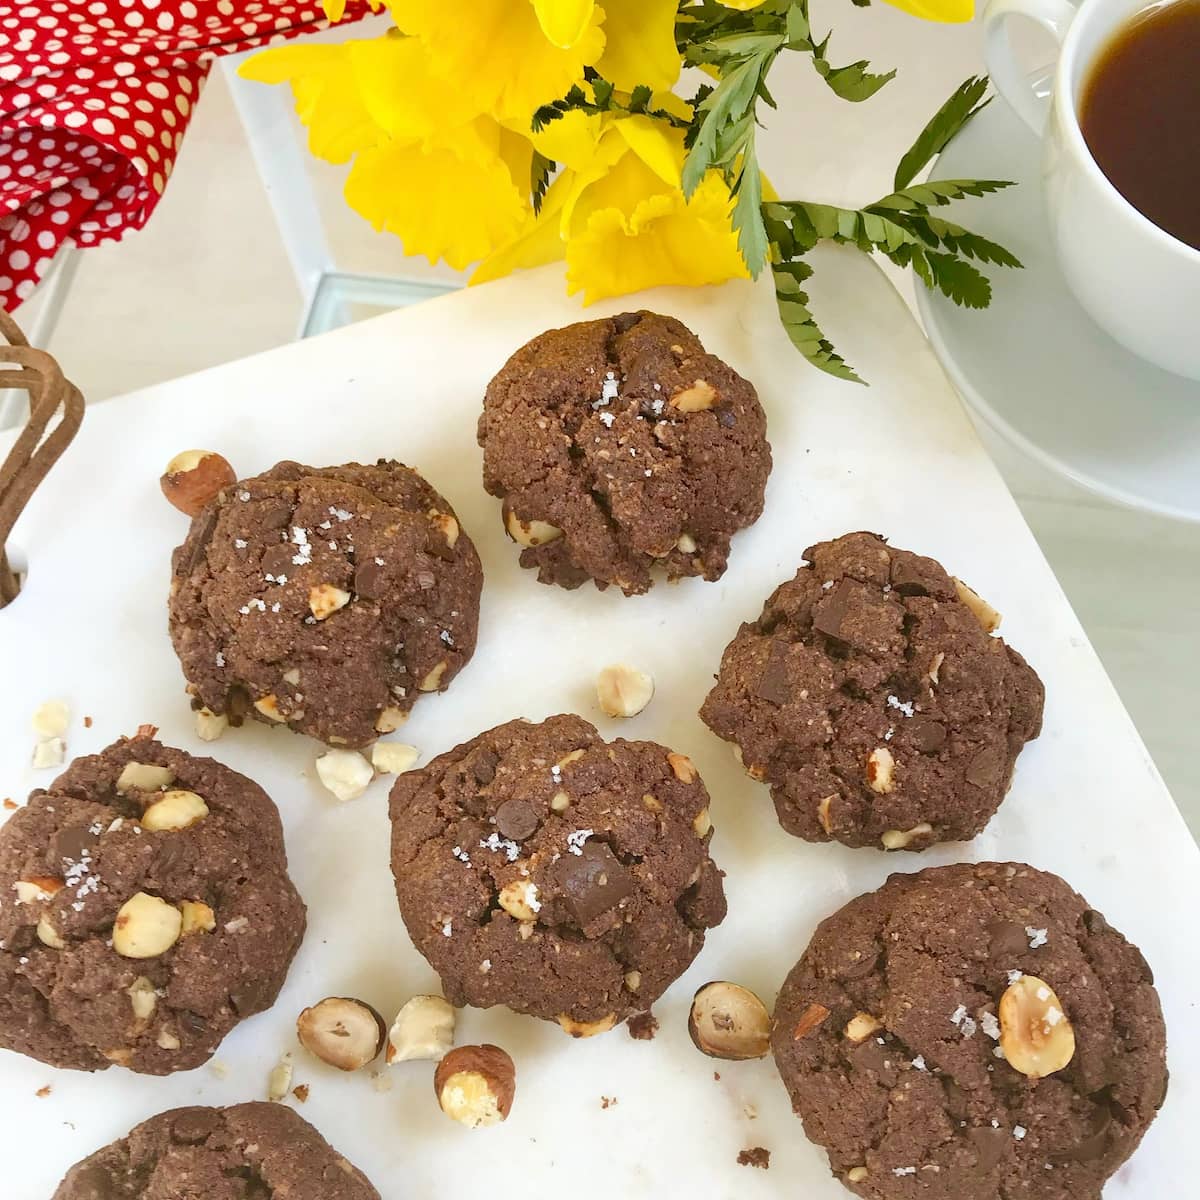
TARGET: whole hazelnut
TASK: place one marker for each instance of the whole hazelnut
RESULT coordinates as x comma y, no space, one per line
475,1085
193,478
729,1021
343,1032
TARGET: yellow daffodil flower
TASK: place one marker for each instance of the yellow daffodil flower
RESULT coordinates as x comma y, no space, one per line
639,44
951,12
619,216
497,52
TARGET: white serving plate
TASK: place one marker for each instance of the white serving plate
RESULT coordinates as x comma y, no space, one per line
899,457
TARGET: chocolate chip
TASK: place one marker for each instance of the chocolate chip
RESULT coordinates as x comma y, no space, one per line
725,417
1091,1147
277,561
273,514
92,1182
1094,922
831,612
989,1145
70,843
1008,940
193,1125
170,855
484,767
926,734
956,1099
986,769
592,882
624,322
425,580
516,820
193,1022
773,683
859,968
250,998
871,1056
200,539
367,580
237,705
906,579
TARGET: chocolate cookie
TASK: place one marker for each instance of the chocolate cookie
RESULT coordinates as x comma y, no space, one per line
145,909
973,1032
246,1152
540,867
871,698
326,599
618,446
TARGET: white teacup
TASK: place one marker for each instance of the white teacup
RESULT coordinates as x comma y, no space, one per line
1136,281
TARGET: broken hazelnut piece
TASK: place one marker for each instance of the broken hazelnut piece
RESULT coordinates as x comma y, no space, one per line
988,618
390,719
393,758
861,1026
586,1029
146,926
881,770
48,935
686,543
447,524
857,1174
144,777
811,1018
345,773
623,691
343,1032
433,679
475,1085
269,707
325,599
899,839
935,665
682,767
529,533
423,1029
1035,1035
702,825
729,1021
210,725
36,887
49,752
143,998
520,899
279,1081
197,918
193,478
175,809
697,398
50,720
824,815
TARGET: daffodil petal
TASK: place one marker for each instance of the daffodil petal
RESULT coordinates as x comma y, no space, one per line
639,45
742,5
328,101
953,12
441,200
496,52
596,183
658,145
540,242
671,242
570,140
563,22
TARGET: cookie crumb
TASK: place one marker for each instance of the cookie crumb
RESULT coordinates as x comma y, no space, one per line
10,803
43,1092
755,1156
643,1026
717,1076
300,1091
607,1101
87,722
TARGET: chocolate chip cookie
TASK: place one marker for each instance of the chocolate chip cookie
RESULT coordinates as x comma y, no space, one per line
972,1032
872,698
145,909
326,599
246,1152
540,867
619,446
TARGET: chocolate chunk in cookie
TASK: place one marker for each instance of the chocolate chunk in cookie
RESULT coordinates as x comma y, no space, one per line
619,446
972,1033
540,867
145,909
327,599
872,699
246,1152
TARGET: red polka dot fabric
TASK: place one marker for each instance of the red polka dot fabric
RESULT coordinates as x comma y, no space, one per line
95,97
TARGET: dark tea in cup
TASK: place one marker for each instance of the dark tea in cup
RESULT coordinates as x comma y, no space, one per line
1140,115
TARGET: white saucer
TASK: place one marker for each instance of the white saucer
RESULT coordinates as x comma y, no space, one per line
1036,368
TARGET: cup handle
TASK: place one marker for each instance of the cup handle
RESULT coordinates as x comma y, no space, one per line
1009,76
